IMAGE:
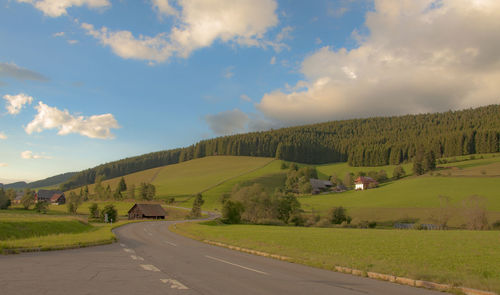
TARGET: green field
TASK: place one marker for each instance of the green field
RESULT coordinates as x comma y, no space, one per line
212,195
199,175
341,169
462,258
26,226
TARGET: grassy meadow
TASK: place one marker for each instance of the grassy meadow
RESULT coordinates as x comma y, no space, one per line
461,258
341,169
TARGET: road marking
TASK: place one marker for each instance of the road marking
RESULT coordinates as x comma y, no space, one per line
128,250
149,267
174,284
244,267
123,245
170,243
136,257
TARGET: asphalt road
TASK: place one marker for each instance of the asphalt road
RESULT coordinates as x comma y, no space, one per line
149,259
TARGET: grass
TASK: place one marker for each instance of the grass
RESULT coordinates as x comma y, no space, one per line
19,228
410,197
212,194
191,177
462,258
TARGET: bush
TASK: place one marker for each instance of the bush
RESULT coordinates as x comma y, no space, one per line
4,200
311,220
94,212
196,210
110,211
337,215
41,207
496,225
475,213
231,212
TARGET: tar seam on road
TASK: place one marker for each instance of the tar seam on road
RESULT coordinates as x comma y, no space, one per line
170,243
234,264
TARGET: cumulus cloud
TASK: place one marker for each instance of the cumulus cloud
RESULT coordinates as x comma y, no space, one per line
72,42
163,7
227,122
58,34
29,155
228,72
245,97
273,60
4,164
14,103
420,56
11,70
199,23
97,126
56,8
3,136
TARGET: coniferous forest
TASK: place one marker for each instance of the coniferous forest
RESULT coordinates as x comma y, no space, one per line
360,142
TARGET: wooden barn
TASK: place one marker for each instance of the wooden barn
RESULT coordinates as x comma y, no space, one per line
146,211
58,199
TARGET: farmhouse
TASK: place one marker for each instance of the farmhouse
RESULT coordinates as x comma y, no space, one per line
365,182
58,199
146,211
319,185
18,198
44,195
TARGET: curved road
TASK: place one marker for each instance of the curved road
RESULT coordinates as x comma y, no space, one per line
149,259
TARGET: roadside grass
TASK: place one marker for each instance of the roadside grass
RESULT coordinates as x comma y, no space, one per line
198,175
22,226
99,235
461,258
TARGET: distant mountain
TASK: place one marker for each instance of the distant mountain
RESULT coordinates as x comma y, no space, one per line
360,142
50,181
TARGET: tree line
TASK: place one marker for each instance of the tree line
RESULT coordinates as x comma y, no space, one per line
360,142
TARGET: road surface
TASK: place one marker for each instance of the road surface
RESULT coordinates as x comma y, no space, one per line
149,259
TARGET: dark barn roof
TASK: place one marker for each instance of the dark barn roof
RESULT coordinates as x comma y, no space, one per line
46,195
320,184
150,210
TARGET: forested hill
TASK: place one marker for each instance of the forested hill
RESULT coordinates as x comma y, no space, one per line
361,142
47,182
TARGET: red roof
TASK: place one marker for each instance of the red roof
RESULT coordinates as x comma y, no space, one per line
365,180
55,197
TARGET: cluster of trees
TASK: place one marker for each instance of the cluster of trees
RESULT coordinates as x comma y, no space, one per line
99,215
253,204
145,191
361,142
4,199
297,180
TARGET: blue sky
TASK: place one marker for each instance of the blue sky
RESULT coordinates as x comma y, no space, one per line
92,81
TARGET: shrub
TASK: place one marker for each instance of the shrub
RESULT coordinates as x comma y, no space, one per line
496,224
231,212
41,207
110,211
94,212
196,209
337,215
4,200
311,219
475,213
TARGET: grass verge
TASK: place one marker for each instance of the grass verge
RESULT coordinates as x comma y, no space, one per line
459,258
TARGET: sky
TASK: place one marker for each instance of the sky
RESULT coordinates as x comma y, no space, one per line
85,82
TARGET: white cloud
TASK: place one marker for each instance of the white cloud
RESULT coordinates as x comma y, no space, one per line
273,60
72,42
97,126
56,8
15,103
163,7
198,24
245,98
228,72
11,70
420,56
227,122
318,41
58,34
29,155
4,164
3,136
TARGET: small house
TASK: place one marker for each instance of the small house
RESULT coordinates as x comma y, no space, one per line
365,182
146,211
58,199
44,195
18,198
318,185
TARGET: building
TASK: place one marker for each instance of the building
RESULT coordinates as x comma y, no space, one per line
365,182
18,198
146,211
58,199
318,185
44,195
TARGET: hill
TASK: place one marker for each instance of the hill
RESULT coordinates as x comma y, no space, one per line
360,142
53,181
